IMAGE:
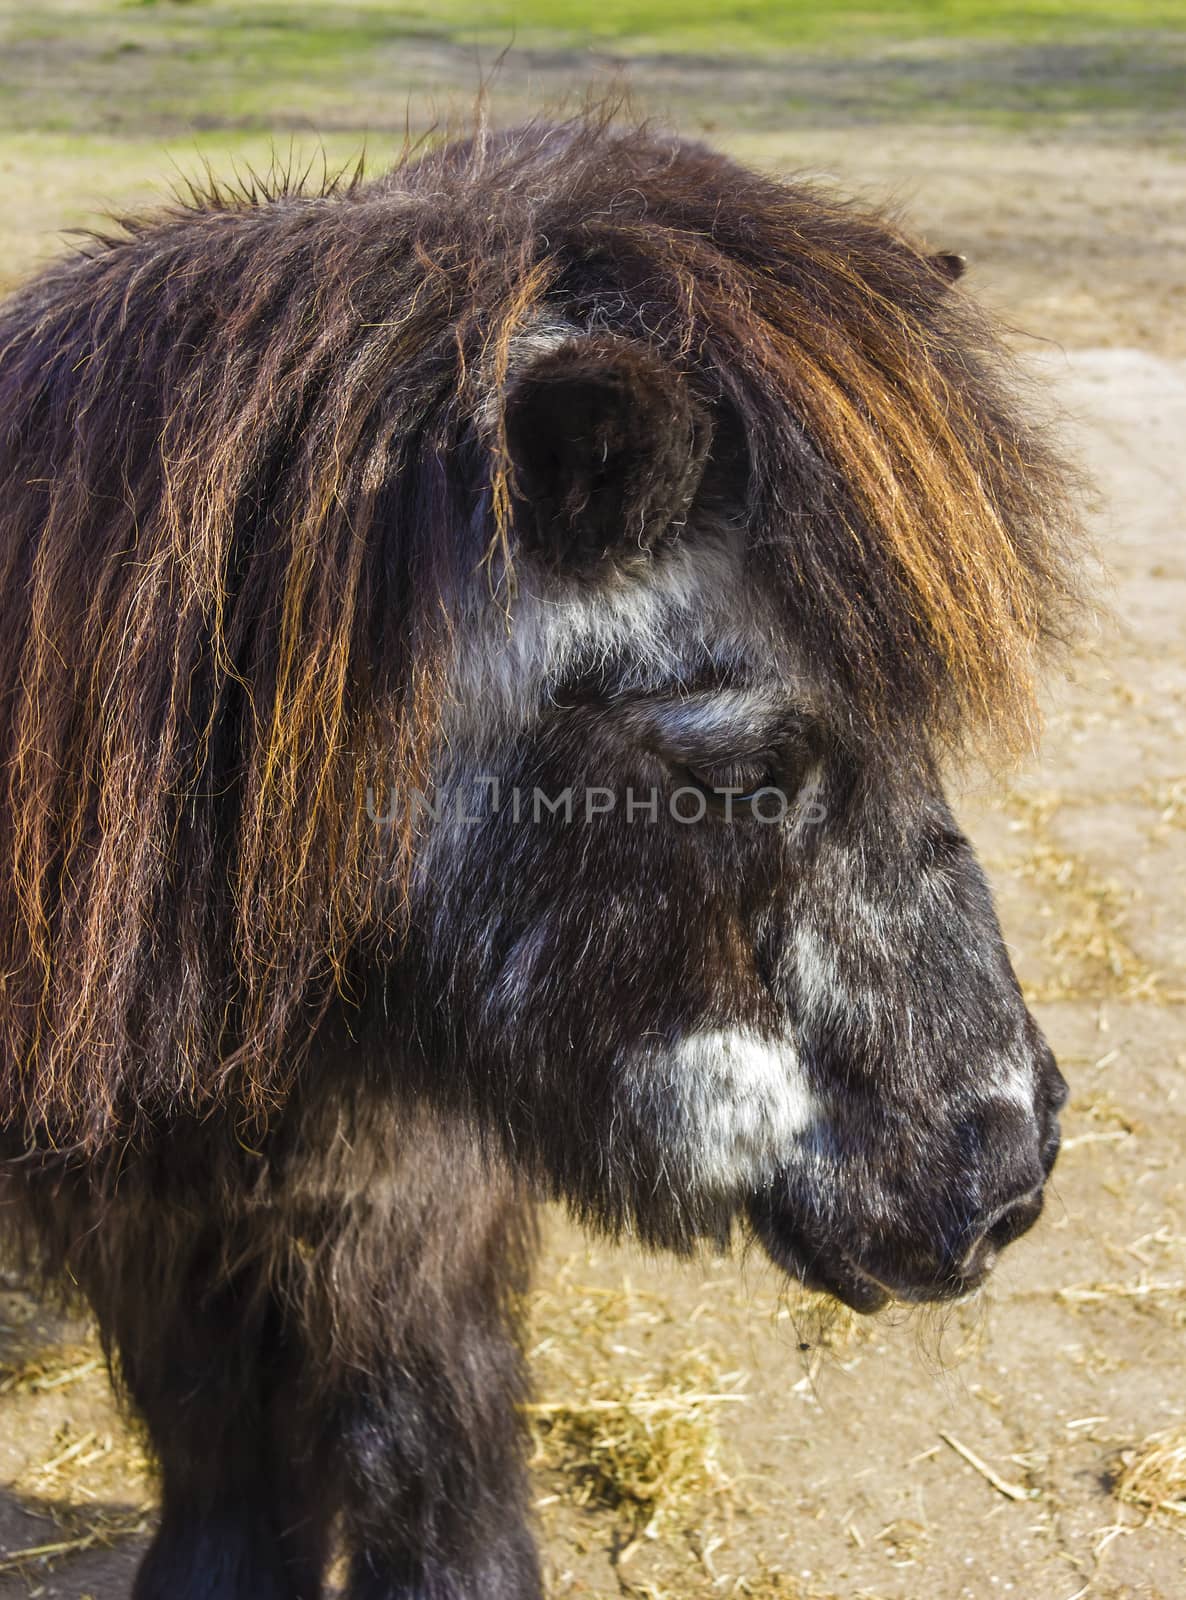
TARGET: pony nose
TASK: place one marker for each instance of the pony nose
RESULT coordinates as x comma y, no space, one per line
1056,1093
1057,1089
1051,1142
1052,1085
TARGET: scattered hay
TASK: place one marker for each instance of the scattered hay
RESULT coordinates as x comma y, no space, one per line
644,1445
630,1425
55,1369
1152,1477
89,1530
768,1584
88,1466
1107,1122
764,1583
1162,1298
1030,809
92,1483
1103,1108
1087,950
905,1540
1168,799
636,1429
1003,1486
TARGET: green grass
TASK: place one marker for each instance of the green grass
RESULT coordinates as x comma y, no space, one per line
762,24
712,25
176,68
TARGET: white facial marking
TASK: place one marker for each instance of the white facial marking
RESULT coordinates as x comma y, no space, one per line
1013,1081
652,617
732,719
733,1105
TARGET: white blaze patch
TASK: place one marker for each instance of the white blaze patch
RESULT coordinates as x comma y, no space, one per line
733,1105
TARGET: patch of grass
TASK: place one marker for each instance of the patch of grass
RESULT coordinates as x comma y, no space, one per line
129,66
732,24
57,182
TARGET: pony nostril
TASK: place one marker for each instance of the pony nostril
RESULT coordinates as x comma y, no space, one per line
1001,1228
978,1262
1016,1219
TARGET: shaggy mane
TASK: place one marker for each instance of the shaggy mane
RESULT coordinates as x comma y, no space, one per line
241,492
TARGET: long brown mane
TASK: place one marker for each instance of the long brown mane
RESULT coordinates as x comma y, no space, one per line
241,487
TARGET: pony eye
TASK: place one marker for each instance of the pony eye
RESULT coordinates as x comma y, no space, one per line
735,780
743,775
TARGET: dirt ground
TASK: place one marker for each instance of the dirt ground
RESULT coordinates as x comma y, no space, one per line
699,1432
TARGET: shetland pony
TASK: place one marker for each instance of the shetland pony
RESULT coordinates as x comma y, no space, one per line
477,650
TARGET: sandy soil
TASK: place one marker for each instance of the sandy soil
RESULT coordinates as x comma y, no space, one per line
908,1458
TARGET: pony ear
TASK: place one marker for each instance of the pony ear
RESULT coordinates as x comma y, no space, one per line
607,448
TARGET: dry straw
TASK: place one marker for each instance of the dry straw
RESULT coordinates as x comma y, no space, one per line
638,1437
1153,1477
